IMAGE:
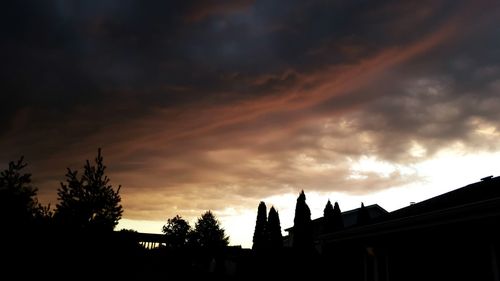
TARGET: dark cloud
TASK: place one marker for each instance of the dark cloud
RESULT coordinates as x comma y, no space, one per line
201,10
201,104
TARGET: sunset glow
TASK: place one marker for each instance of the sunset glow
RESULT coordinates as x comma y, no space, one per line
219,106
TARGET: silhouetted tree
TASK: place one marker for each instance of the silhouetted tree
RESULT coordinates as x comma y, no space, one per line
18,204
176,232
208,233
338,220
88,202
332,218
43,215
328,215
260,238
274,230
302,229
363,215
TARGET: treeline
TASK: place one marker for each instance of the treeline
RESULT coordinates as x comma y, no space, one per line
207,233
75,239
86,201
267,236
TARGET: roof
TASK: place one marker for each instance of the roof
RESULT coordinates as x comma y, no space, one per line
485,189
350,217
475,202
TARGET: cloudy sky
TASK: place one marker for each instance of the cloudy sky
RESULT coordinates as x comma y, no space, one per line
218,105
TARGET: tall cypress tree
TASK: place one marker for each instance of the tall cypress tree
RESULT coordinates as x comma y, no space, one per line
302,228
328,218
260,237
274,230
337,219
332,218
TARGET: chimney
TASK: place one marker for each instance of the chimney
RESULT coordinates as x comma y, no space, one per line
486,178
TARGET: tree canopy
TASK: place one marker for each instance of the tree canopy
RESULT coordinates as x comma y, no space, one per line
176,232
89,202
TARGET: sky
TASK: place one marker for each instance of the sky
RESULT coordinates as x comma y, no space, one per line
218,105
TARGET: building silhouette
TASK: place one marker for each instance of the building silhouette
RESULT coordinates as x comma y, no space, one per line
453,236
349,218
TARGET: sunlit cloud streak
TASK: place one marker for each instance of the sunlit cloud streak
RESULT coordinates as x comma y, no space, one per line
215,107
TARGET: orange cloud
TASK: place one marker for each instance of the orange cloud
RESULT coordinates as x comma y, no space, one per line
210,155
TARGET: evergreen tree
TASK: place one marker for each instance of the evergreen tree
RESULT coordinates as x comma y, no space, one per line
176,232
88,202
363,215
328,215
208,233
332,218
18,204
274,230
338,220
302,228
260,237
